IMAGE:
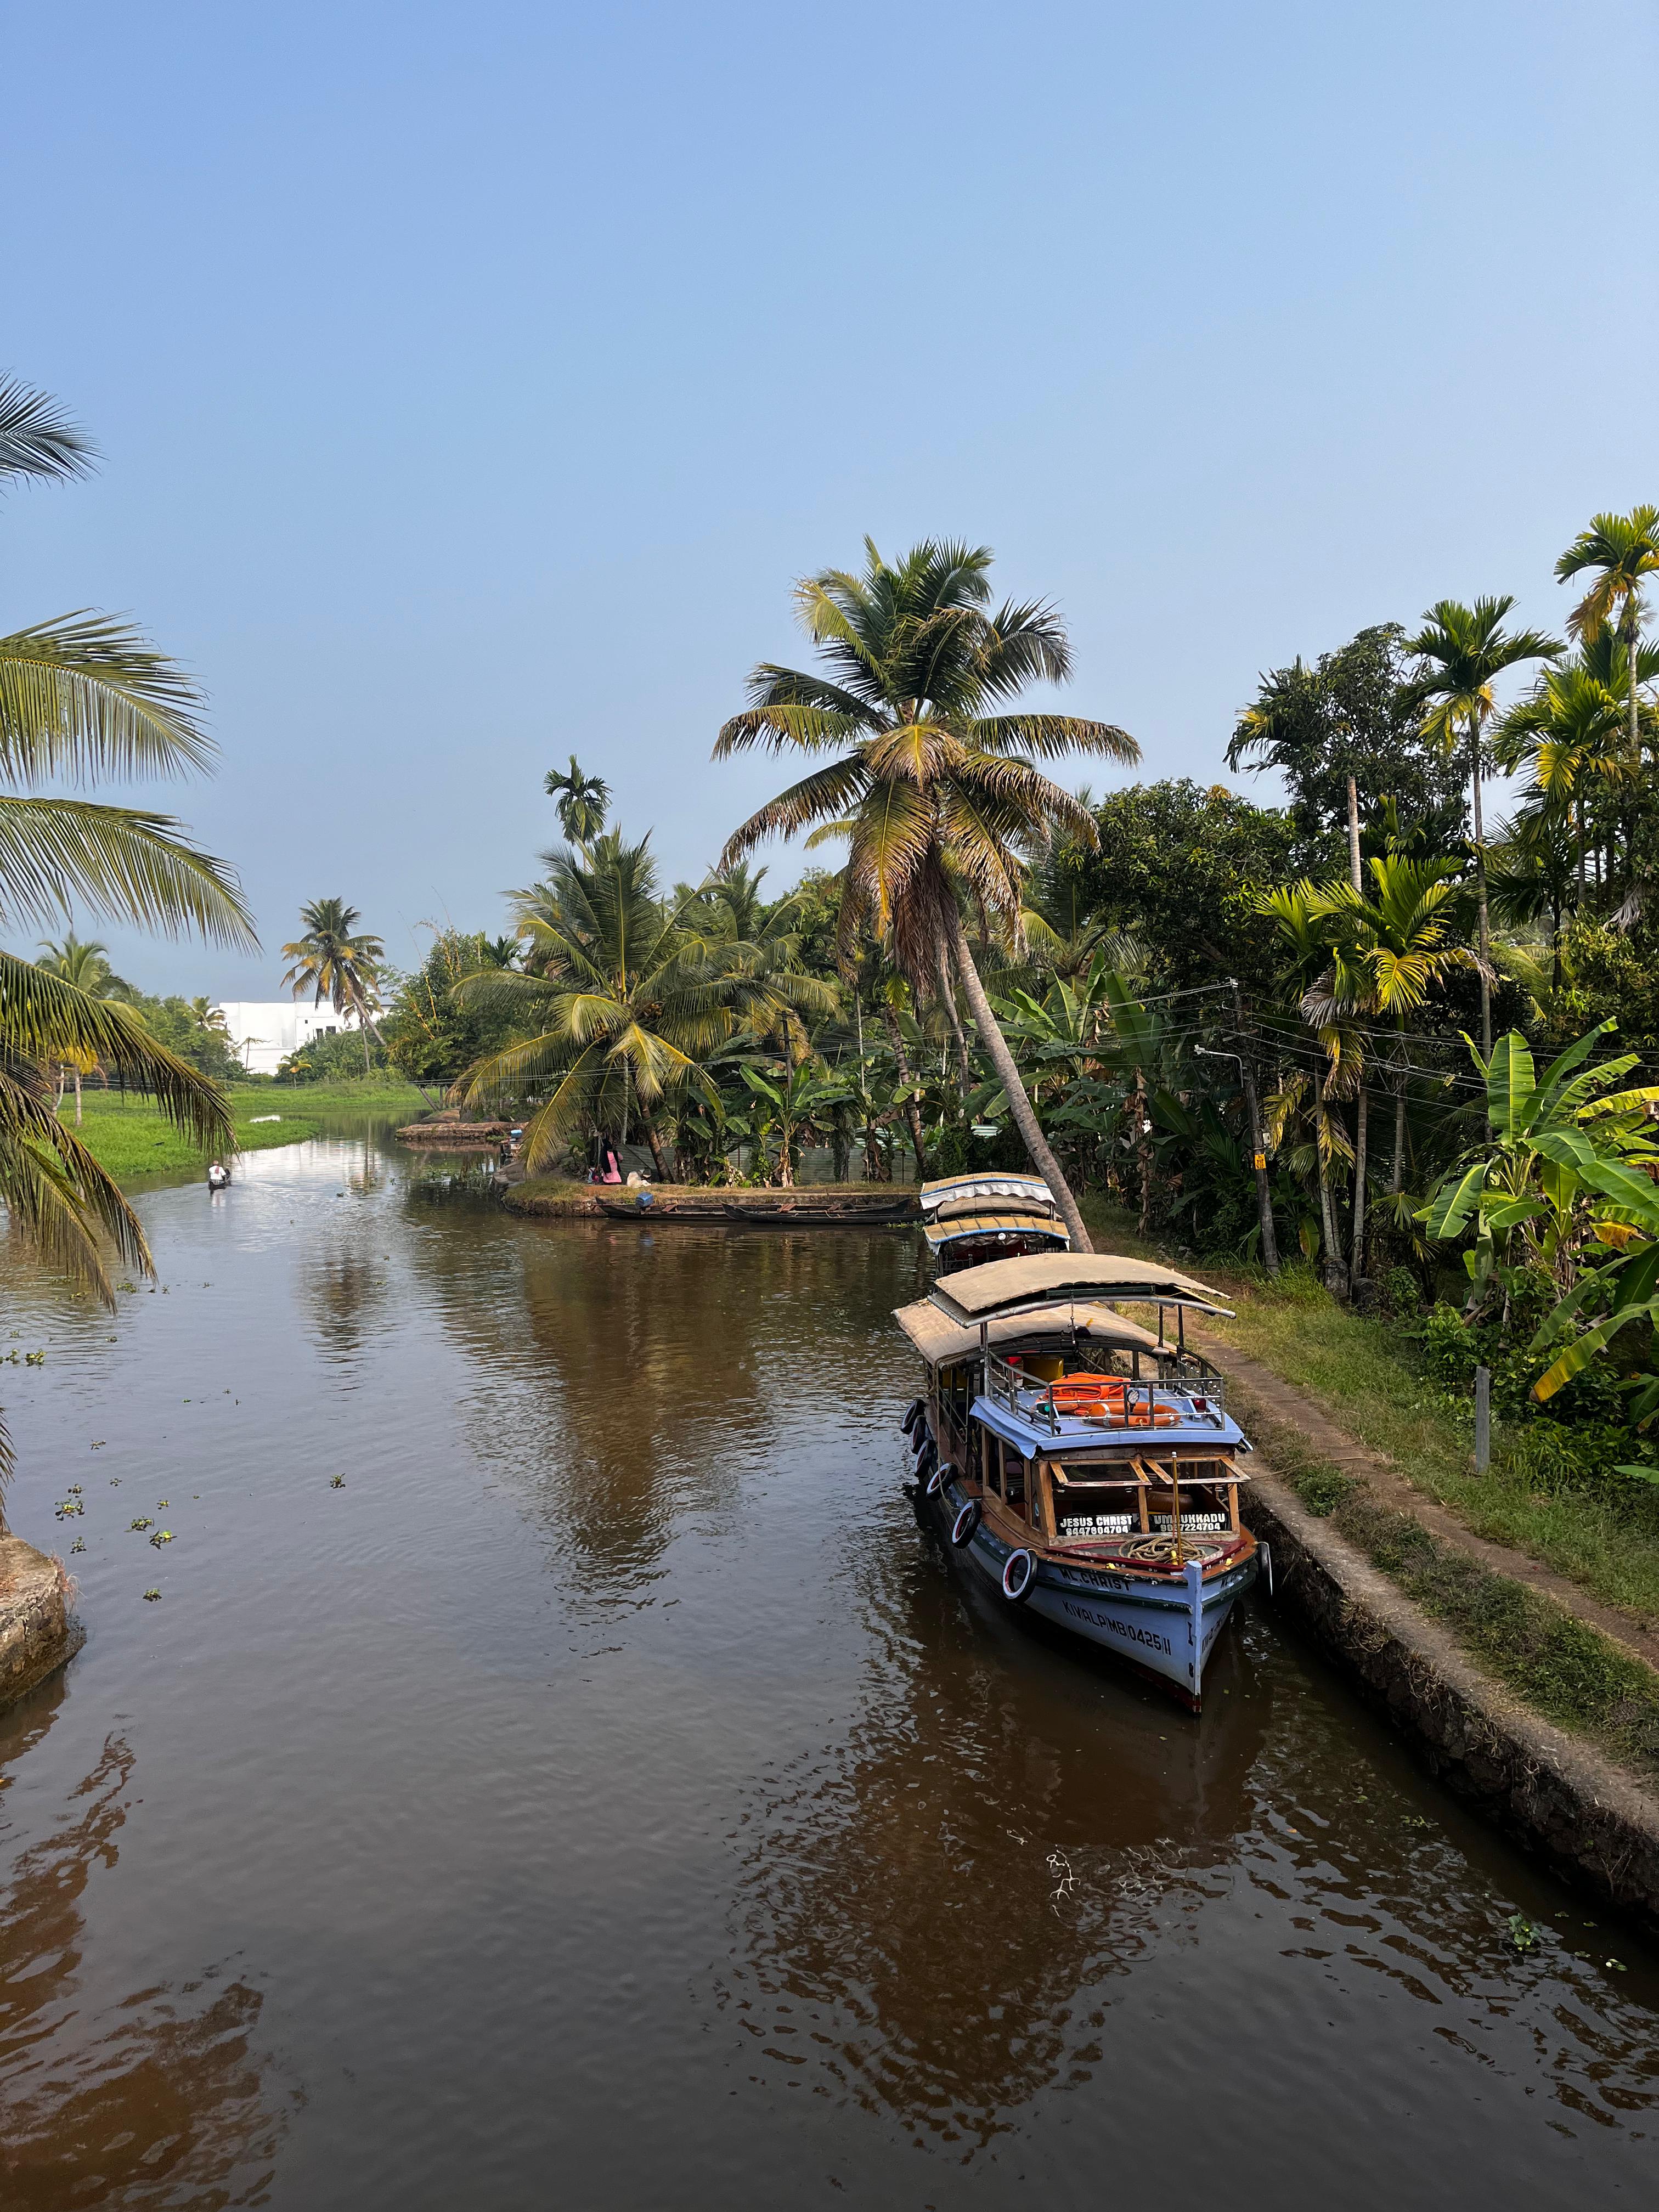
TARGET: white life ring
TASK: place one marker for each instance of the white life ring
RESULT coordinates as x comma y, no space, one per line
963,1527
1019,1573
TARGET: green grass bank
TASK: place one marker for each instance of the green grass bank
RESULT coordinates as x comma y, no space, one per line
129,1137
1367,1374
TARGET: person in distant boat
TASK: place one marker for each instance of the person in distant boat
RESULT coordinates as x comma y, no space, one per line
218,1175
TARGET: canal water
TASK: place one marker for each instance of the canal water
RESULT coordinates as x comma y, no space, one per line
557,1772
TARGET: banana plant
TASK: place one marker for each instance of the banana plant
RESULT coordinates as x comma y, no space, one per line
1564,1174
792,1103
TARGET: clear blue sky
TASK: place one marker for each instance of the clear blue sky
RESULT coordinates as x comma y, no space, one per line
472,382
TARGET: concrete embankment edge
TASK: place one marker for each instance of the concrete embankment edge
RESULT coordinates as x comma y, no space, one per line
37,1632
1594,1824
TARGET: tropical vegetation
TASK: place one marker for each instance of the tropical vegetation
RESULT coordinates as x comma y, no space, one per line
84,699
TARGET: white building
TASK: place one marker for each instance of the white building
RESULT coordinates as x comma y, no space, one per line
264,1032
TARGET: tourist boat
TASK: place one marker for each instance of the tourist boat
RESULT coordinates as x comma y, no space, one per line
970,1219
1085,1466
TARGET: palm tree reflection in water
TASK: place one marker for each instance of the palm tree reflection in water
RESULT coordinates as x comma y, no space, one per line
161,2099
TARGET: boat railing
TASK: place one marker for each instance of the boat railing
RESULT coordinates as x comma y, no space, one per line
1187,1386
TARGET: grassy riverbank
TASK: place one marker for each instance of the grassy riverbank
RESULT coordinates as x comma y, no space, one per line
1367,1375
129,1137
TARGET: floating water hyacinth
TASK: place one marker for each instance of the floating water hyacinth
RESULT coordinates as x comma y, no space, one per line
143,1521
79,1544
336,1482
1523,1934
161,1536
150,1596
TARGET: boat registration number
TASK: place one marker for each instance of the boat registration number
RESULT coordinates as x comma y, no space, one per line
1195,1524
1097,1524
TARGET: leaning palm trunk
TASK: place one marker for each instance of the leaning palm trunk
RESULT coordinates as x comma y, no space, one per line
947,998
912,1110
1026,1119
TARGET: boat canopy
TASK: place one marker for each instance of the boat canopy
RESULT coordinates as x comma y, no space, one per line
995,1223
975,1294
942,1341
942,1191
959,1209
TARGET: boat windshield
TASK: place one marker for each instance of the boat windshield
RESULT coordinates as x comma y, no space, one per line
1115,1498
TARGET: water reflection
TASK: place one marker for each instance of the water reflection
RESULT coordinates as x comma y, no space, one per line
159,2098
941,1918
343,1288
636,1377
930,1911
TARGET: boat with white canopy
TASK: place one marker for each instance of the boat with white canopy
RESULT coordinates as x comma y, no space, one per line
970,1219
1084,1464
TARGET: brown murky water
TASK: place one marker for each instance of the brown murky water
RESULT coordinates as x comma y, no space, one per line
610,1798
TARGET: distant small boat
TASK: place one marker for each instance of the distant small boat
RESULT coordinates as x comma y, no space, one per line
218,1178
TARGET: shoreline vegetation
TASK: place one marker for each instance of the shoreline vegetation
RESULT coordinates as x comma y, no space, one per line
131,1137
1360,1374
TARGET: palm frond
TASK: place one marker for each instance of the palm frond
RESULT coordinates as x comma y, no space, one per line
86,695
130,865
36,439
1050,736
44,1018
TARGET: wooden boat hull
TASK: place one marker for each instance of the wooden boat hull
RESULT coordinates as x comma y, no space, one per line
1166,1627
819,1217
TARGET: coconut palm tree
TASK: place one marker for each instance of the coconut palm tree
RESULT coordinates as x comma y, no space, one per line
584,801
1463,650
941,789
626,1000
86,965
83,697
332,964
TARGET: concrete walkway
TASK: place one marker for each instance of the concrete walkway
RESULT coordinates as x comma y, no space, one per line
1285,1405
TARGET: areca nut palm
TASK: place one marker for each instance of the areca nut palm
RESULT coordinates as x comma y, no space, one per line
583,801
1463,650
626,1000
1388,953
331,962
1620,552
933,768
1298,911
